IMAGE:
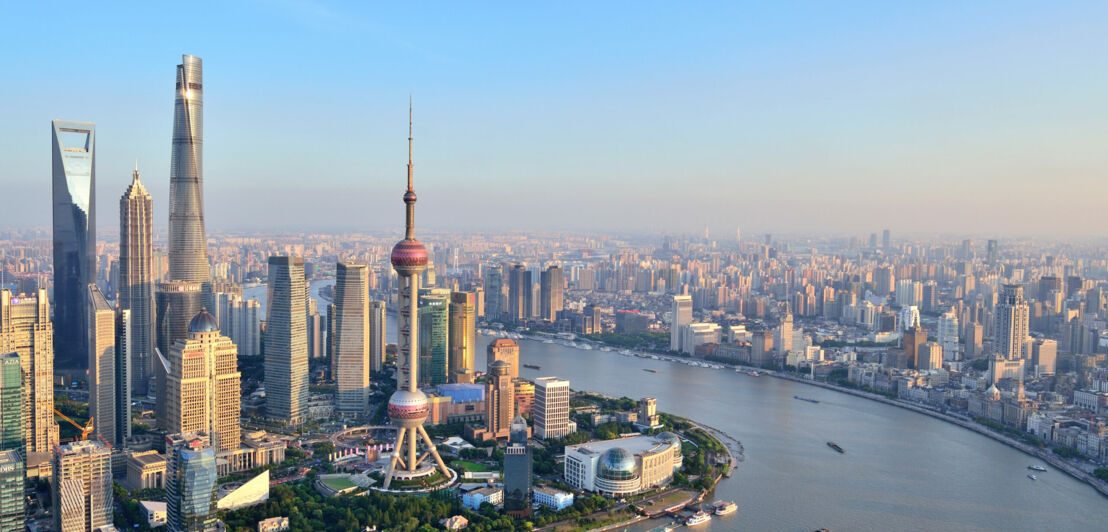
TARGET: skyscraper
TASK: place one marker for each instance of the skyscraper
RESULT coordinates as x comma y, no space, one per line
108,337
1013,319
136,279
11,404
503,350
408,405
286,342
12,510
82,486
203,387
463,335
434,320
551,409
190,477
553,281
682,315
499,399
350,352
991,252
494,282
520,293
25,328
74,196
886,239
188,246
377,334
517,470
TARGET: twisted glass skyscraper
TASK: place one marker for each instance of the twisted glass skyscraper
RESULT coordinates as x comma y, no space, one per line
188,247
74,194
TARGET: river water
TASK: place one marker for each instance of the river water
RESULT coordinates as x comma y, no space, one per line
902,470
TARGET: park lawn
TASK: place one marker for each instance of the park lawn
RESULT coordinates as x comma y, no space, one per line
472,467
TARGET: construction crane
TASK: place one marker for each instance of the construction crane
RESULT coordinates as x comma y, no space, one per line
85,430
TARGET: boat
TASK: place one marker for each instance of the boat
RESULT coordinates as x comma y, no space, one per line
532,366
1036,467
752,374
698,518
668,527
650,370
835,446
805,399
725,508
1032,477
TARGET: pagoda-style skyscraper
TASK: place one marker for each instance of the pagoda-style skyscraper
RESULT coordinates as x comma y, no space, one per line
136,278
408,406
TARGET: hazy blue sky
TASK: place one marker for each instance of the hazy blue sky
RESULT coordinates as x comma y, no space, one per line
783,116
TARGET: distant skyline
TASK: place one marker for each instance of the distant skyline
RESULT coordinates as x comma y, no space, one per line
984,118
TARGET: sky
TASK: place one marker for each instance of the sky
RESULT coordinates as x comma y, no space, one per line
841,117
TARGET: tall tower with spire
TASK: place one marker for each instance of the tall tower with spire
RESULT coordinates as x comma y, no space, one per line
136,278
408,406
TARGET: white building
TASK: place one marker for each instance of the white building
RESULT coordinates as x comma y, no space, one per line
948,335
682,315
473,499
552,498
551,408
694,335
909,293
623,466
154,512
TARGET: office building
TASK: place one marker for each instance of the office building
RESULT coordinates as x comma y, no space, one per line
499,400
551,408
991,251
313,328
1044,357
973,343
74,215
203,385
82,486
520,293
1013,320
929,356
886,239
25,328
188,246
352,337
11,404
911,340
682,315
624,466
378,332
190,482
517,470
948,335
408,406
463,336
494,283
136,279
286,342
504,349
108,375
434,320
552,284
13,511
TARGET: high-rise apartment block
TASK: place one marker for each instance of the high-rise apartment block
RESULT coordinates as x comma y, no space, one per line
682,315
377,334
74,214
553,282
82,486
463,336
520,293
1013,319
286,342
136,279
25,328
351,337
551,408
203,386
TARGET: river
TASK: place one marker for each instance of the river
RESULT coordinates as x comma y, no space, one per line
902,470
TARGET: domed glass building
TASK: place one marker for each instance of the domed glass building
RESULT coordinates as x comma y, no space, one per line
617,472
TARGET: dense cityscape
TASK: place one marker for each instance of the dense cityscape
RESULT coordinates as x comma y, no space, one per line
163,373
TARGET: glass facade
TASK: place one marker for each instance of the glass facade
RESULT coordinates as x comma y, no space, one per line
190,486
11,404
434,322
12,510
188,248
74,225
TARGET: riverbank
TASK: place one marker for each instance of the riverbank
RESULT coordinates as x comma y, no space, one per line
1042,454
